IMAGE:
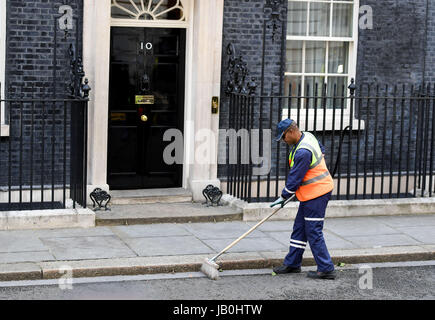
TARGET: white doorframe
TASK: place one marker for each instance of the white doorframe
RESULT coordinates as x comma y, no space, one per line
203,43
96,61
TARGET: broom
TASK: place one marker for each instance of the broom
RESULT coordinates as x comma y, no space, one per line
211,269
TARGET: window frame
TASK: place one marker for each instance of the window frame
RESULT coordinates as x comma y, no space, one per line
351,71
159,23
4,128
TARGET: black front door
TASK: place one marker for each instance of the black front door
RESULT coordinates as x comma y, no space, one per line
146,98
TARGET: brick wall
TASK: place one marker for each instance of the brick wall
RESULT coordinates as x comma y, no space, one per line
248,26
29,74
392,53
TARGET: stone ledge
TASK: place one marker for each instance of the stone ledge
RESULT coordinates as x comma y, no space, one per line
47,219
20,271
166,213
337,208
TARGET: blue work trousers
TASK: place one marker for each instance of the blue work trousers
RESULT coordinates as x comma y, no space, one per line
308,226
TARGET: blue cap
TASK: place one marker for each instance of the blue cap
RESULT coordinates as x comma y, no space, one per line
282,127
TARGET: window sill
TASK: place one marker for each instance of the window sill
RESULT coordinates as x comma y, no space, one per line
4,130
328,124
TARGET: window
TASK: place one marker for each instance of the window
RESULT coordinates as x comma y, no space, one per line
321,48
4,129
171,12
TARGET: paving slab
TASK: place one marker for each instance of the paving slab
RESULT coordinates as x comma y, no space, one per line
156,230
283,237
15,257
247,244
222,230
357,226
69,233
274,225
167,246
407,221
81,248
21,241
334,241
377,241
424,234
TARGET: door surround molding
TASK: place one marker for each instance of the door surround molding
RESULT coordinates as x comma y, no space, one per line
202,81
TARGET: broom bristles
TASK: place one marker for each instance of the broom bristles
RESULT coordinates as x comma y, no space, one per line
210,269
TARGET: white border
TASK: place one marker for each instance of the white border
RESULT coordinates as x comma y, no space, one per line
353,56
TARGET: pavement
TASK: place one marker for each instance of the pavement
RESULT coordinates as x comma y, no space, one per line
182,247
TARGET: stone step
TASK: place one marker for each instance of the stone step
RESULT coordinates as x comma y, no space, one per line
153,213
132,197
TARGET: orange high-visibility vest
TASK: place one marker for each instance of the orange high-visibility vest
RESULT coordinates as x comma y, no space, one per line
317,180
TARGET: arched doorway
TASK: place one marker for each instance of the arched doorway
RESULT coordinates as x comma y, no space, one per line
146,91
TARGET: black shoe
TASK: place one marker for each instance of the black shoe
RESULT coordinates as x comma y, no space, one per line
286,269
330,275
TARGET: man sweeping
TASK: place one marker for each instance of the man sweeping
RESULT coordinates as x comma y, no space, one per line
312,183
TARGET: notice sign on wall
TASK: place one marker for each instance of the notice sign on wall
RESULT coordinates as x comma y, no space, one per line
145,99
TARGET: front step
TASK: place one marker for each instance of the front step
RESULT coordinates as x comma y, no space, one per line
133,197
154,213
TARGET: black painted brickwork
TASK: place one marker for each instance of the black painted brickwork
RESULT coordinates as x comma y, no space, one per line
29,73
394,52
246,24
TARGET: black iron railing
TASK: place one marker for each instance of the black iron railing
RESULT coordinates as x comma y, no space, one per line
43,153
379,140
43,140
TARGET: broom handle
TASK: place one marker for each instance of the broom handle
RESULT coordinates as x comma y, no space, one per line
250,230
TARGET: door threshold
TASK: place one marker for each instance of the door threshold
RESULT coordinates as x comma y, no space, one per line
142,196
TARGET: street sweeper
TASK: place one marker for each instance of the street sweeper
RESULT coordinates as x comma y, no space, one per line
312,184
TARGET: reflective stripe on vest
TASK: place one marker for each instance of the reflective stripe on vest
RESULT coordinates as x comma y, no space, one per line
317,180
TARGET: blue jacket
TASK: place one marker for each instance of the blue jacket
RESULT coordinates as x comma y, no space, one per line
302,162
